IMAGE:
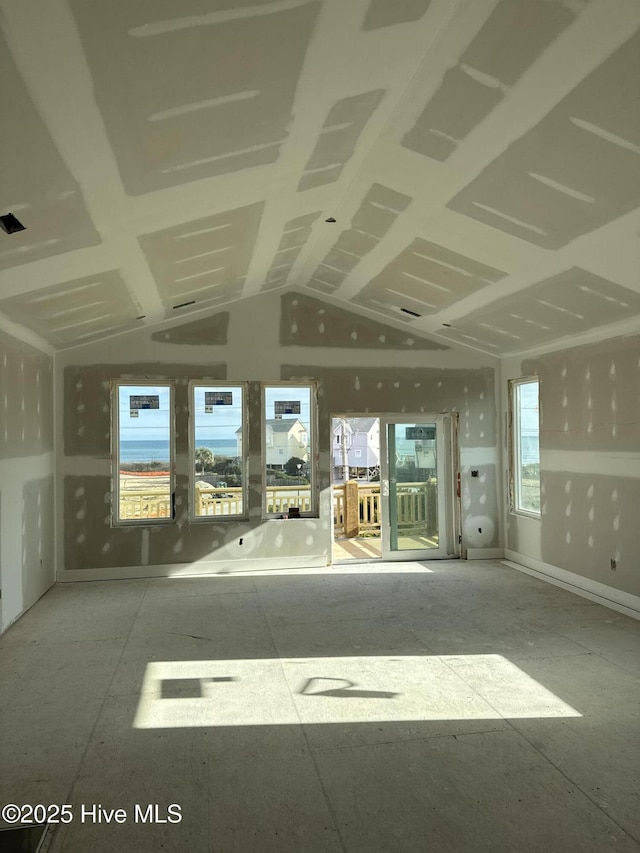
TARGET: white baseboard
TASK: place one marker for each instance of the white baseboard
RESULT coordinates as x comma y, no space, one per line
224,568
485,553
617,599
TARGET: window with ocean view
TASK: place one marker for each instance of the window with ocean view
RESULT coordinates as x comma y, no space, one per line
217,450
288,450
142,452
525,446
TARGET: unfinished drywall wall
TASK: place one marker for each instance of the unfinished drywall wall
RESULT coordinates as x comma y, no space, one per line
310,322
26,476
590,462
469,392
260,347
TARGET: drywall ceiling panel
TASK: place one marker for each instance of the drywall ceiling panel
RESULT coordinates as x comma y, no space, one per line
199,260
576,170
571,302
456,108
338,138
356,243
426,278
383,13
513,37
37,187
321,286
379,210
308,322
341,260
210,298
329,276
77,311
194,90
295,235
294,239
516,34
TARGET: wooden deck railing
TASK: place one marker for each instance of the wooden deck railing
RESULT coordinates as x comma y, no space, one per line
417,508
210,501
417,505
135,503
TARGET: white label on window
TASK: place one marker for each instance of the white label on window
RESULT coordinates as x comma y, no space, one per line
144,401
287,407
420,432
218,398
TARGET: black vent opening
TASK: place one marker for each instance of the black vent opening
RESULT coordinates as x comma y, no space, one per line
10,224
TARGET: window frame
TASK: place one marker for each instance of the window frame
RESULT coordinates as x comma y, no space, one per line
312,445
515,461
244,464
116,384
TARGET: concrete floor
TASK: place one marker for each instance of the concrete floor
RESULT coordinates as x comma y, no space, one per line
439,707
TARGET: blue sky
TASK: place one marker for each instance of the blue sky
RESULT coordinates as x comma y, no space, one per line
303,395
221,424
151,424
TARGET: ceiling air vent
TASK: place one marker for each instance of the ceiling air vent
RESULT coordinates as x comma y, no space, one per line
413,313
184,304
10,224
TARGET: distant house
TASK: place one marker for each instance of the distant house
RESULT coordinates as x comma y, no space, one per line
361,440
284,438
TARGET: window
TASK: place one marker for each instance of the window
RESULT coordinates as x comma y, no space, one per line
142,453
217,450
289,449
525,446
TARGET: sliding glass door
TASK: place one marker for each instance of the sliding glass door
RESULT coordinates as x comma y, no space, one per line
417,487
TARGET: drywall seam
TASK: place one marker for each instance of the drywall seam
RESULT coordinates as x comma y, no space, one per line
202,567
471,457
616,599
25,335
601,334
592,462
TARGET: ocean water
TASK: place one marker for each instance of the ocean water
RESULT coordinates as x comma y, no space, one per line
158,451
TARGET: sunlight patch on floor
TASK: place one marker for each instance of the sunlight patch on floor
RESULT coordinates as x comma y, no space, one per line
182,694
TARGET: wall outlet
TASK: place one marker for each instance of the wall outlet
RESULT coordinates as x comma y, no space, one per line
613,565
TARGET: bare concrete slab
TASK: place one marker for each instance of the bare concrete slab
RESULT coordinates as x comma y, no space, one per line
311,711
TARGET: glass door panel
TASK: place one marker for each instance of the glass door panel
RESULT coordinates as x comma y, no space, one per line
414,488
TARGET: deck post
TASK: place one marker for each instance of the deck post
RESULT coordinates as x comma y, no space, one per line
351,509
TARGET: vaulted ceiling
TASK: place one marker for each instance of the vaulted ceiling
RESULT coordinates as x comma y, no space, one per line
480,158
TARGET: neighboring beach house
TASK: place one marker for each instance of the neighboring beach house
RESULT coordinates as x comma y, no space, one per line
361,439
284,438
